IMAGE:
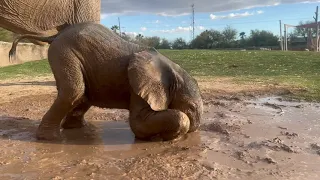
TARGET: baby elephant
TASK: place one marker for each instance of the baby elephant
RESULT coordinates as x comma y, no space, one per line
93,66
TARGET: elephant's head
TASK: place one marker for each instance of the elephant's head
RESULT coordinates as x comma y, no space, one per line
163,84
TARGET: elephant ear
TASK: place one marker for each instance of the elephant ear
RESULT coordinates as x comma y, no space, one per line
149,77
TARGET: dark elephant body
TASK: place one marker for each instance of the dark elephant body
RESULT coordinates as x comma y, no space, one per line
95,67
103,65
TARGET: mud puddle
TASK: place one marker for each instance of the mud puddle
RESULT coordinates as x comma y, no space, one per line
266,138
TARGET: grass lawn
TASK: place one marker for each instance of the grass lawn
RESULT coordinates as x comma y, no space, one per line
298,69
35,68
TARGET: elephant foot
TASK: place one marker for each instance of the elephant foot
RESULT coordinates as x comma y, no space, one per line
48,133
73,122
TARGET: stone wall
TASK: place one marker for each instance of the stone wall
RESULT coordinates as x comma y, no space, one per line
25,52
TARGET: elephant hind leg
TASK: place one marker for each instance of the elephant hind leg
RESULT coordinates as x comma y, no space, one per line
146,123
75,118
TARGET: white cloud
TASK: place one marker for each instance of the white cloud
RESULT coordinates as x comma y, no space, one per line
183,7
201,27
178,29
260,12
103,16
234,15
153,22
172,15
131,34
143,28
310,2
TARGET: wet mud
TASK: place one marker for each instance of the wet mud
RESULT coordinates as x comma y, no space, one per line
256,138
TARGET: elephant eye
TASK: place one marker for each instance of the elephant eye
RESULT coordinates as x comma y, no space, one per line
192,107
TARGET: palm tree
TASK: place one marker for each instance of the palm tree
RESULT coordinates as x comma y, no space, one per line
242,35
139,37
115,28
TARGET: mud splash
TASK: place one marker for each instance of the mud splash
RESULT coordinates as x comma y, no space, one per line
266,138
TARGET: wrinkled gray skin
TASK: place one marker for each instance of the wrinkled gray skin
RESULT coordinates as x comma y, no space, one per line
93,66
46,18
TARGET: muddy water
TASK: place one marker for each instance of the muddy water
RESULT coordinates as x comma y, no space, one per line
265,138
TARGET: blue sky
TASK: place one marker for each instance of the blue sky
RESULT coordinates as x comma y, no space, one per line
171,19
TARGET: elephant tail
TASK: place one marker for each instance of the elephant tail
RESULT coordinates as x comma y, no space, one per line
13,49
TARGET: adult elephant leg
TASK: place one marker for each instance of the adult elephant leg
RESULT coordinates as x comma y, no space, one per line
75,118
146,123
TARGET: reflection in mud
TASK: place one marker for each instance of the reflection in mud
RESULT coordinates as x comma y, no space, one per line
267,138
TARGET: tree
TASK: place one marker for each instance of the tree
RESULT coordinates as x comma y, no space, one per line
153,41
5,35
242,35
229,34
304,31
202,41
207,39
179,43
139,38
164,44
216,38
229,37
126,36
115,28
8,36
262,38
243,41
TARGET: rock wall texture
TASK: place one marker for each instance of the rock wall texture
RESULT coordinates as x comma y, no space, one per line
25,52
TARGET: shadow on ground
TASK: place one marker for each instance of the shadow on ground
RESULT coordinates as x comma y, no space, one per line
37,83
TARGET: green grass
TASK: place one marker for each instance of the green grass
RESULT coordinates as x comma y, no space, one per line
298,69
35,68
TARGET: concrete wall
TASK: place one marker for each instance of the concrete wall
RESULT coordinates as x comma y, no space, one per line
25,52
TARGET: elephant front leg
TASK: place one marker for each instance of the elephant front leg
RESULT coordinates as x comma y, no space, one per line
75,118
49,128
146,123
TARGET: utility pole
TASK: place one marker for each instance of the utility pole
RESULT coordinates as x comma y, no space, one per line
317,35
119,26
285,38
281,40
192,21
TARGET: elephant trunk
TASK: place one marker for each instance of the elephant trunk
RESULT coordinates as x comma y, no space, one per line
195,118
188,100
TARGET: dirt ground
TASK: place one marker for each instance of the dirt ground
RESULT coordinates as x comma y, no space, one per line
248,132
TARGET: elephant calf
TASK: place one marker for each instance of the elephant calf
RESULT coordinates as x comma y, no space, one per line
93,66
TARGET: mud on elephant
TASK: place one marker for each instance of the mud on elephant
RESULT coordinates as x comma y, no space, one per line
93,66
